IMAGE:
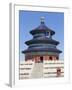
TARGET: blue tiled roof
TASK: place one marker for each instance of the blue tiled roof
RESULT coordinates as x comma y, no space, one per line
42,49
42,40
40,36
42,28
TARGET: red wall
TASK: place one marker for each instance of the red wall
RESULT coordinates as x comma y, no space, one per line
37,58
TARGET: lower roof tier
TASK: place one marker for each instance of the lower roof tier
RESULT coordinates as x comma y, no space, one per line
42,40
42,50
40,53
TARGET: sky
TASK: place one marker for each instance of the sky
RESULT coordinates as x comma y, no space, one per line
29,20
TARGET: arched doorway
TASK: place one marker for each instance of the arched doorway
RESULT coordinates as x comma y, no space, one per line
41,58
57,58
50,58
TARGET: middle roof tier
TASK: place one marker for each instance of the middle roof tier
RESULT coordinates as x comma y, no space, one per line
42,40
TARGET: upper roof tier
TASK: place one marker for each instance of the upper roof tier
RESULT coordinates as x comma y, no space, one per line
42,28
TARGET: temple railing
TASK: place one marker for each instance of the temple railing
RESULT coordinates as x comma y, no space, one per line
49,69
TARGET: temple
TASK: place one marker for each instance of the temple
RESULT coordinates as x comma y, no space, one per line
42,46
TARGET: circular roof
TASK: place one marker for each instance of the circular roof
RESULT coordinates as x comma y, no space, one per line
42,28
42,40
42,50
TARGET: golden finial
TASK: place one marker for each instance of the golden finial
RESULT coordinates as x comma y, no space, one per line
42,20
